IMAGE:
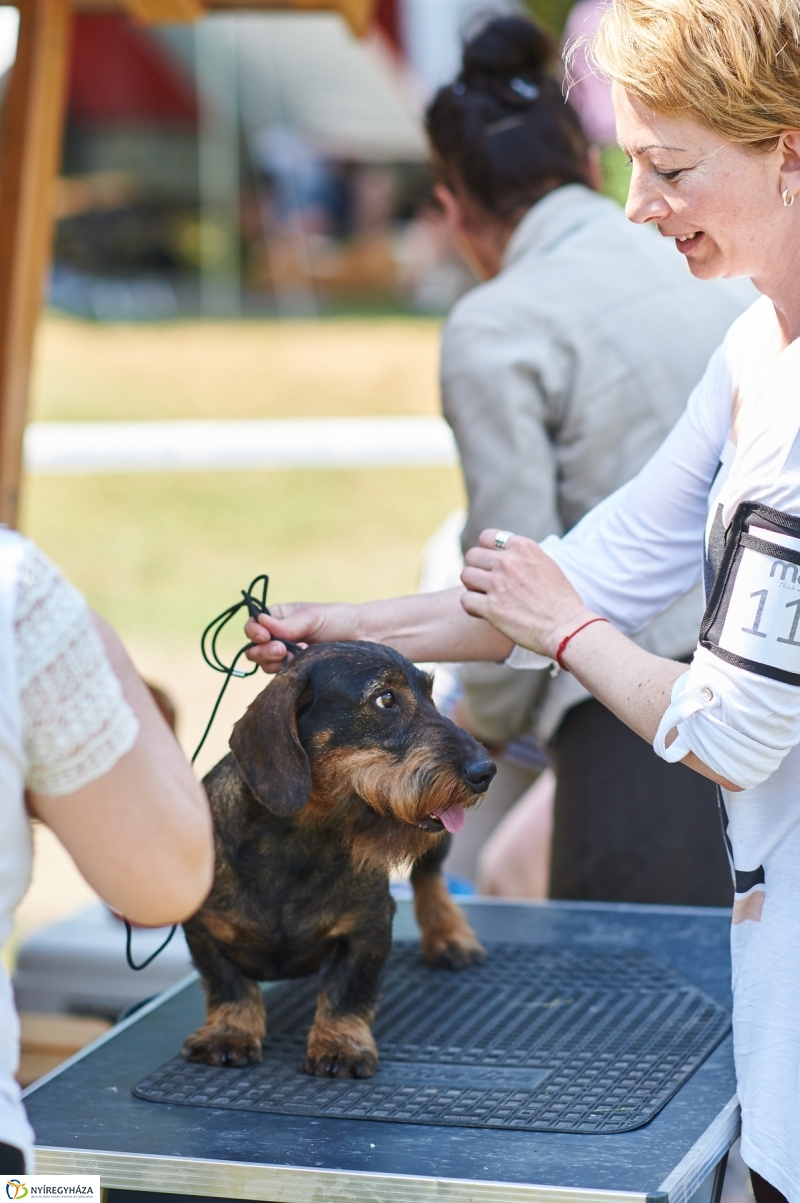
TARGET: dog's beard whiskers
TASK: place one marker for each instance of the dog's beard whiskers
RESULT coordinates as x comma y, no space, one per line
417,785
378,802
443,788
374,804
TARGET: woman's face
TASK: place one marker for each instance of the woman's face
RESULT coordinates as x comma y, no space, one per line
721,202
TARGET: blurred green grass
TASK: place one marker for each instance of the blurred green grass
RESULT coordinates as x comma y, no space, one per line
248,369
160,554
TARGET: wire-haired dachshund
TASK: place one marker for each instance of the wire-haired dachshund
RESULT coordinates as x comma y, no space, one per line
339,770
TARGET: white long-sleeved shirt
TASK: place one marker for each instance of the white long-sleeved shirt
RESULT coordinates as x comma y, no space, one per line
738,706
560,378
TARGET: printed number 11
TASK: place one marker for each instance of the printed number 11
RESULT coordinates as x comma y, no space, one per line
762,595
795,621
753,630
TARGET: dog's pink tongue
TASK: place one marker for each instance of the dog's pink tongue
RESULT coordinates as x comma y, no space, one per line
452,818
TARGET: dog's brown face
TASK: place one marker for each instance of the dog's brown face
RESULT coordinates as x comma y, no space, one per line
349,729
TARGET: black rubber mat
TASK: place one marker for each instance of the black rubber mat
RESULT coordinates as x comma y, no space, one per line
536,1038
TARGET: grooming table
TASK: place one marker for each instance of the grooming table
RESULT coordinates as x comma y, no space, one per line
88,1121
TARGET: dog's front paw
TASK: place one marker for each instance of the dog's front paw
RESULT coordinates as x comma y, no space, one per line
448,941
341,1048
342,1063
453,949
211,1047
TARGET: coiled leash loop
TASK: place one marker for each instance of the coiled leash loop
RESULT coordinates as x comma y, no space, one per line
153,955
208,647
208,644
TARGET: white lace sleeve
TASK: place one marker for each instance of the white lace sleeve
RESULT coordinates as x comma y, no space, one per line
76,721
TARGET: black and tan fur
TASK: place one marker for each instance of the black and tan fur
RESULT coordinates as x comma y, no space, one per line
334,773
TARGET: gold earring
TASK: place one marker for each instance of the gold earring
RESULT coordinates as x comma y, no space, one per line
787,203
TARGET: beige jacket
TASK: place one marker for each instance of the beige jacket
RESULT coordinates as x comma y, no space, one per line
560,377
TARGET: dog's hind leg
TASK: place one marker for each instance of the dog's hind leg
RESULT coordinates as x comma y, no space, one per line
236,1021
447,938
340,1043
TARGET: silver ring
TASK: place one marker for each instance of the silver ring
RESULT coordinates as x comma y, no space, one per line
501,539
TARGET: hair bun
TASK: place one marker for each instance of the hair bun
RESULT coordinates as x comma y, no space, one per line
507,47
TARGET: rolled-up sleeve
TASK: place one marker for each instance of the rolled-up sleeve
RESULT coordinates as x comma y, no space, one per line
739,724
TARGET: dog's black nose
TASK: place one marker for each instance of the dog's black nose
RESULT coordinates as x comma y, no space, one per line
479,774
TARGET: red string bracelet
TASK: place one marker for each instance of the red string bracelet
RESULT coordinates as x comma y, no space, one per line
563,644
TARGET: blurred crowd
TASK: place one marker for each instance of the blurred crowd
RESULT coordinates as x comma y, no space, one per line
319,193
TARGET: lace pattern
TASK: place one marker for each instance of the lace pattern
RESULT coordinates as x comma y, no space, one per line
76,721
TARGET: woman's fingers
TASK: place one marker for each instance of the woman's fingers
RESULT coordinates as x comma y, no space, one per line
485,560
268,631
297,622
255,632
269,656
480,557
519,589
476,604
487,538
477,580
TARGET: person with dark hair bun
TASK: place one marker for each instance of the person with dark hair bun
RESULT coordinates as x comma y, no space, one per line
561,374
502,132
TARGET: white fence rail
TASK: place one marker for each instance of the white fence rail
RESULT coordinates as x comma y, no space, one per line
190,446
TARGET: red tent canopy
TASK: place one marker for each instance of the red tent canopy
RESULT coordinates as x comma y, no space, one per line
120,73
387,18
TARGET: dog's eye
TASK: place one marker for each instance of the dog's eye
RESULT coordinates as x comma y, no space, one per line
385,700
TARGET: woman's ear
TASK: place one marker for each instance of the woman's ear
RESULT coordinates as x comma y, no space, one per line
790,163
451,207
267,748
481,236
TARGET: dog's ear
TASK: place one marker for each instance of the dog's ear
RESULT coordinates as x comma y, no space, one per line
267,749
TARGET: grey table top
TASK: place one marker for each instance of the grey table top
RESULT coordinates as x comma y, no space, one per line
87,1120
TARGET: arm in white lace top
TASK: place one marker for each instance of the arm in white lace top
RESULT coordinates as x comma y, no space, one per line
105,772
76,723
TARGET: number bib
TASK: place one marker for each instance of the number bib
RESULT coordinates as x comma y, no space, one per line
753,615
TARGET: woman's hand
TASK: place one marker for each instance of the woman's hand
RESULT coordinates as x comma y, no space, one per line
522,592
298,622
424,626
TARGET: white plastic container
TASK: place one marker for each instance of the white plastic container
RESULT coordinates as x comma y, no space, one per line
78,966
